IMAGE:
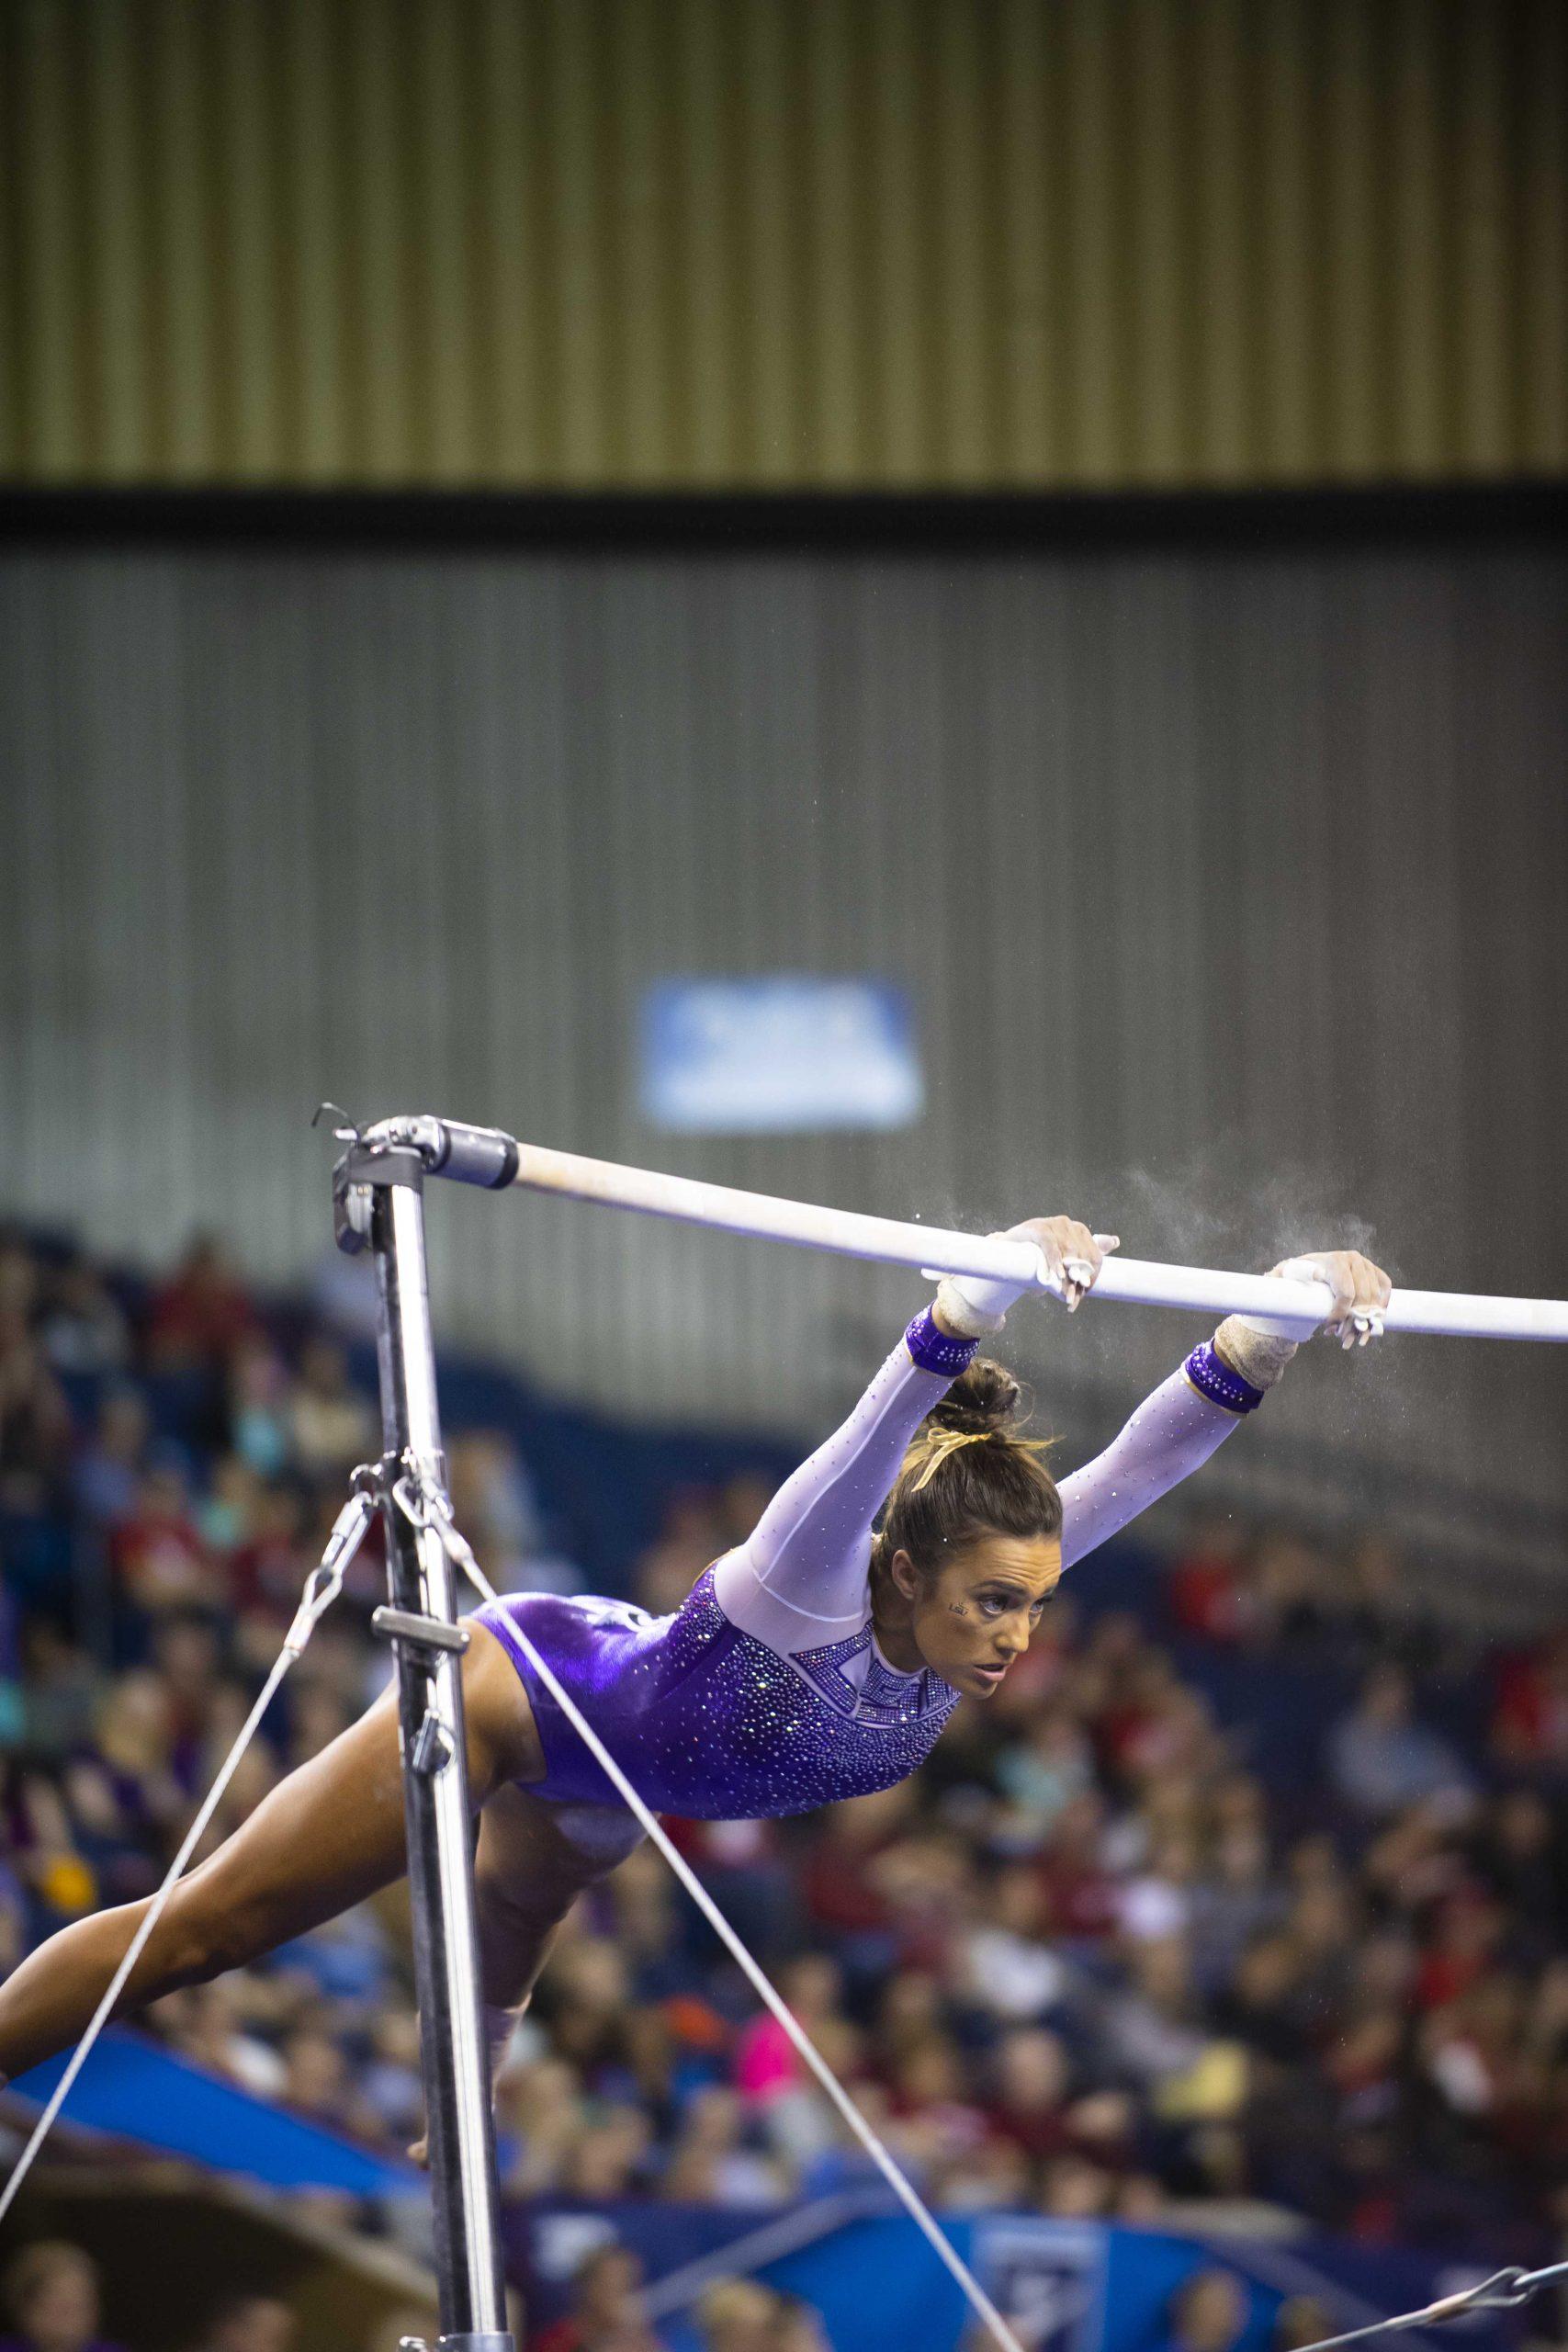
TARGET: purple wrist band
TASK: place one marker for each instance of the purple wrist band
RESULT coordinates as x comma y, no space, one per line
937,1351
1212,1378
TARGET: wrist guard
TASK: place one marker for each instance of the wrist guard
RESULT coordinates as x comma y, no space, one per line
1260,1357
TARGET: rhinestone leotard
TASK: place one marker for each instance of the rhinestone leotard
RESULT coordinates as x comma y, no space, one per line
765,1692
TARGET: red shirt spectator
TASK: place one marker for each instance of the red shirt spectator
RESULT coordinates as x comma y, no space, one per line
1032,2085
1530,1725
1081,1897
201,1314
1207,1597
1462,1951
158,1554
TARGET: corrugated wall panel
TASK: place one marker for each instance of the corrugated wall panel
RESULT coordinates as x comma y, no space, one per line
825,243
1192,863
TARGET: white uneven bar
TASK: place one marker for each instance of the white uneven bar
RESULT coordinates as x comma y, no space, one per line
1139,1282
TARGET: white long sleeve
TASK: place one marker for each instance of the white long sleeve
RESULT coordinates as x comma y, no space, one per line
799,1582
1170,1435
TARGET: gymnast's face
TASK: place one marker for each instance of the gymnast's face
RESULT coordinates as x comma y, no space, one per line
973,1618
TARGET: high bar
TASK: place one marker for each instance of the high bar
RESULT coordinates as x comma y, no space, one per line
486,1157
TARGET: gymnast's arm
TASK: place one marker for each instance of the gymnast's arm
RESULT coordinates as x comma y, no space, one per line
1177,1429
798,1581
1169,1436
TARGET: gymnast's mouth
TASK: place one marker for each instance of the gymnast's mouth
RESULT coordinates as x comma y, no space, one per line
991,1675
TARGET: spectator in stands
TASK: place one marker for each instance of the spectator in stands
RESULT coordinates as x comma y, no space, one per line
1529,1730
1207,2313
258,1418
1289,1592
1377,1612
1235,1898
1151,2027
210,2025
51,2293
34,1422
330,1425
1043,1771
110,1465
268,1568
766,2063
1208,1588
1380,1758
495,1505
692,1536
710,2165
738,2315
122,1785
318,2081
1003,1962
1030,2070
539,2116
609,2156
1073,2189
1087,1960
607,2312
81,1329
201,1314
62,1692
1519,1853
797,2327
159,1558
393,2085
1299,2321
1080,1894
248,2323
20,1277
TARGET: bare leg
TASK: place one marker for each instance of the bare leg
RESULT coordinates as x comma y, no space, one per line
533,1860
323,1839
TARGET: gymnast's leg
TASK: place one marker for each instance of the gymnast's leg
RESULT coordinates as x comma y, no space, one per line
534,1860
323,1839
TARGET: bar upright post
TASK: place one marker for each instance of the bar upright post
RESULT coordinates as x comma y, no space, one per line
429,1717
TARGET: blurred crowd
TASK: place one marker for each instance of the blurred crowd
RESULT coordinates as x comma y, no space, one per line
1248,1885
51,2296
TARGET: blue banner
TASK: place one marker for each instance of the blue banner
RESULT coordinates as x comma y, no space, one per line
1066,2286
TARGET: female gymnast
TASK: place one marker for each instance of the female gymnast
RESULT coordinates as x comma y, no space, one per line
903,1565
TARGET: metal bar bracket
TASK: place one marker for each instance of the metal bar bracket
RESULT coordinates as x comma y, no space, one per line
421,1632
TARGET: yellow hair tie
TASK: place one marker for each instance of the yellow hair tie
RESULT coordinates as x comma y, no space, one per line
949,1441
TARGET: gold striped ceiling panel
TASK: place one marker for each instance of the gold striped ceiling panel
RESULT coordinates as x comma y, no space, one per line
677,244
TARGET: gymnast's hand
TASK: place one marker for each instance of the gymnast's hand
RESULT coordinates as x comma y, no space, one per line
969,1306
1074,1256
1361,1291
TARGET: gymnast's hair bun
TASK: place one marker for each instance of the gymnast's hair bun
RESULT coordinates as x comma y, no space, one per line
982,1402
952,1491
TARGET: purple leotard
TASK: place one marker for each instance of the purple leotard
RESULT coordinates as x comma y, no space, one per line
765,1692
